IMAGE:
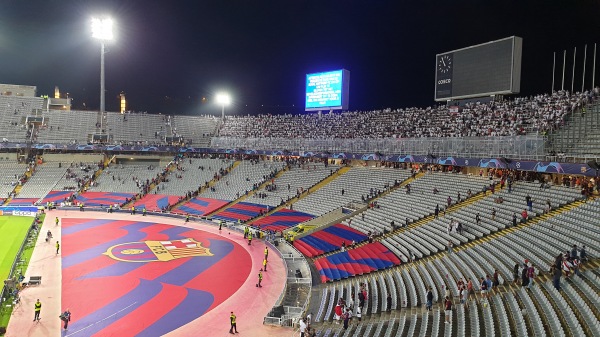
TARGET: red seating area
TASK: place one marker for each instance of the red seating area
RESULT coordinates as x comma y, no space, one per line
358,261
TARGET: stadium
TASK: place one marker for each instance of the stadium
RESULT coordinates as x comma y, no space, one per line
475,214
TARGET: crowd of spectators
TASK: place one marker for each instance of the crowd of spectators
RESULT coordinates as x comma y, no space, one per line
533,114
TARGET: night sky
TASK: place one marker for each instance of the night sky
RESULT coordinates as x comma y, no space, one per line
169,54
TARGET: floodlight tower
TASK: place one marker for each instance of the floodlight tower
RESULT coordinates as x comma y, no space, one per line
102,29
223,99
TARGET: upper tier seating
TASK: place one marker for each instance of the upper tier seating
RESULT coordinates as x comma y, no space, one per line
136,128
13,110
196,130
68,126
539,113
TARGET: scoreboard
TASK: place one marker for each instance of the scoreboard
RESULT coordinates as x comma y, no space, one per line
327,90
491,68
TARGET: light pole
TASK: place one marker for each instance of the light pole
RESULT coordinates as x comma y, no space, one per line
102,30
223,99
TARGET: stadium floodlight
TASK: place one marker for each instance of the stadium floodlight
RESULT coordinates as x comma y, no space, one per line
223,99
102,29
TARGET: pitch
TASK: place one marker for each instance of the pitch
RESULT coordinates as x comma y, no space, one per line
13,230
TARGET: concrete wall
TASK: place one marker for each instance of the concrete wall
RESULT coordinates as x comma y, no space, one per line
72,157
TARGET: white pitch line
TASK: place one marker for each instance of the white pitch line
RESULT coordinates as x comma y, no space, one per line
80,330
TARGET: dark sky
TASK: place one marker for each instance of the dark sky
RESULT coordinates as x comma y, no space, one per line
169,54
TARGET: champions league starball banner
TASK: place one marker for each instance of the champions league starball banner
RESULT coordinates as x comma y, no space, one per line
523,165
18,211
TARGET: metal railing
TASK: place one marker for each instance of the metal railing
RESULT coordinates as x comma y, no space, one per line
291,313
523,147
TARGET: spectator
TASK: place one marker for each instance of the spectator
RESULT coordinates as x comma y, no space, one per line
574,252
447,309
524,216
556,274
429,299
582,254
530,275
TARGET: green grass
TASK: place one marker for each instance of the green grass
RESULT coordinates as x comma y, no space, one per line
13,230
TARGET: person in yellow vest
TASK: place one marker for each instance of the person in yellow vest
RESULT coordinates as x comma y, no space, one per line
81,207
57,247
260,277
38,309
232,322
132,210
56,221
246,230
144,211
249,238
266,253
110,209
265,264
187,218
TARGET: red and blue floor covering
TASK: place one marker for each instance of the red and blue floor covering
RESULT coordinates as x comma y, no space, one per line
130,278
328,240
240,211
103,198
23,201
358,261
282,219
200,206
57,196
155,202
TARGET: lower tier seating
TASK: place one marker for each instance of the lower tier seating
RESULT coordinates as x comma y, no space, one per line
241,211
200,206
282,219
358,261
103,198
156,202
328,239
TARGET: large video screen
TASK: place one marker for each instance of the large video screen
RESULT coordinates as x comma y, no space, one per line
327,90
490,68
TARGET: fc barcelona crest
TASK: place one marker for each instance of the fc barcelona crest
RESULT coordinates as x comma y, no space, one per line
149,251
